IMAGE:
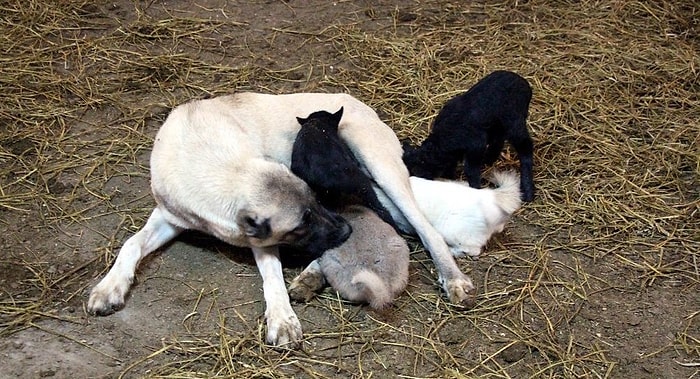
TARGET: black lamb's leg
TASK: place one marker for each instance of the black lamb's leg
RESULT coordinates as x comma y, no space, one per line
369,198
472,171
524,147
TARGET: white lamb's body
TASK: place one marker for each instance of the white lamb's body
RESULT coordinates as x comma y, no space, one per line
465,216
370,267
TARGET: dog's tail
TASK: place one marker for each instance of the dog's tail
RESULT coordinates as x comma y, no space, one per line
508,191
372,288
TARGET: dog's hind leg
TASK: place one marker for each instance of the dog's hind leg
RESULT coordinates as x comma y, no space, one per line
380,152
283,326
108,295
459,287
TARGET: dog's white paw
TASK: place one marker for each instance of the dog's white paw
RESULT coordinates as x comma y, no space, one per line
461,291
284,331
108,295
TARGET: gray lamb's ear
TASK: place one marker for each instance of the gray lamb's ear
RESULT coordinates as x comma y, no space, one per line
252,227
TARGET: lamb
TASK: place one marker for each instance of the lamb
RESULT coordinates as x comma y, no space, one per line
466,217
326,163
473,127
370,267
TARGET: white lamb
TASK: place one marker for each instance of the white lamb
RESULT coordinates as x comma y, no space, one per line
466,217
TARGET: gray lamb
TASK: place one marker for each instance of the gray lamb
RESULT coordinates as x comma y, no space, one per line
370,267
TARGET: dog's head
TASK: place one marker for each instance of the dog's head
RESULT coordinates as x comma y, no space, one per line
285,212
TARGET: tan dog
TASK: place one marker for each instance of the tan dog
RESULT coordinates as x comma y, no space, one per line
221,166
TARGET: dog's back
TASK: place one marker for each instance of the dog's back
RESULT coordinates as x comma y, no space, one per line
212,174
372,265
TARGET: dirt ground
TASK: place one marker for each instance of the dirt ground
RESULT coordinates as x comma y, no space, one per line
598,278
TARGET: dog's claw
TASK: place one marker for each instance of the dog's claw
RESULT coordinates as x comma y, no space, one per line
107,296
285,332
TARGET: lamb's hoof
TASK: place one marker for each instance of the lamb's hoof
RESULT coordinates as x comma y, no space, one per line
303,288
461,292
528,194
298,291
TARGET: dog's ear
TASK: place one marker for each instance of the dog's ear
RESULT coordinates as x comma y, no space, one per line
338,115
252,227
301,121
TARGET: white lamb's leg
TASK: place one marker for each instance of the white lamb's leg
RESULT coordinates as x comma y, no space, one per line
108,295
283,326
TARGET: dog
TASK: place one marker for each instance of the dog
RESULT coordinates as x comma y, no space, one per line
221,166
466,217
473,127
327,165
369,267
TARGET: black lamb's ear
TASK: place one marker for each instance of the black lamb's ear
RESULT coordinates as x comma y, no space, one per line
407,146
338,115
301,120
251,227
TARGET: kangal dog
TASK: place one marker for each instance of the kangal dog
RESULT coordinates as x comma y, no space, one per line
221,166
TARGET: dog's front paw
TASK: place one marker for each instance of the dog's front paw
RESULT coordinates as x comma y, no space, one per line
284,331
461,291
108,295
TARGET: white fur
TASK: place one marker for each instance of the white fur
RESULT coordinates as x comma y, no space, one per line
208,152
466,217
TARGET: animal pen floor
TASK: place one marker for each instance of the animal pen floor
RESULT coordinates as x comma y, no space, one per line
598,278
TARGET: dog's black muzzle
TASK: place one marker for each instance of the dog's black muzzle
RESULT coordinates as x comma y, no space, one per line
328,230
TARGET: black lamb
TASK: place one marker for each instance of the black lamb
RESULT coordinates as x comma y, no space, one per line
473,127
328,166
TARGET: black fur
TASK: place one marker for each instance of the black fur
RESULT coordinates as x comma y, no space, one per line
474,127
327,164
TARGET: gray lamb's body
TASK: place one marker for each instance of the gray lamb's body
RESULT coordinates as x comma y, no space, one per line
370,267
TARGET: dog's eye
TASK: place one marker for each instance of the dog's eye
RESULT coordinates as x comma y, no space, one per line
250,221
306,218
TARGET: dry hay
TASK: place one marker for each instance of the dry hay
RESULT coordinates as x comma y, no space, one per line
615,118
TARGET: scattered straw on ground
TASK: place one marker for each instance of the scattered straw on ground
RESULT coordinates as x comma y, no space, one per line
615,116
